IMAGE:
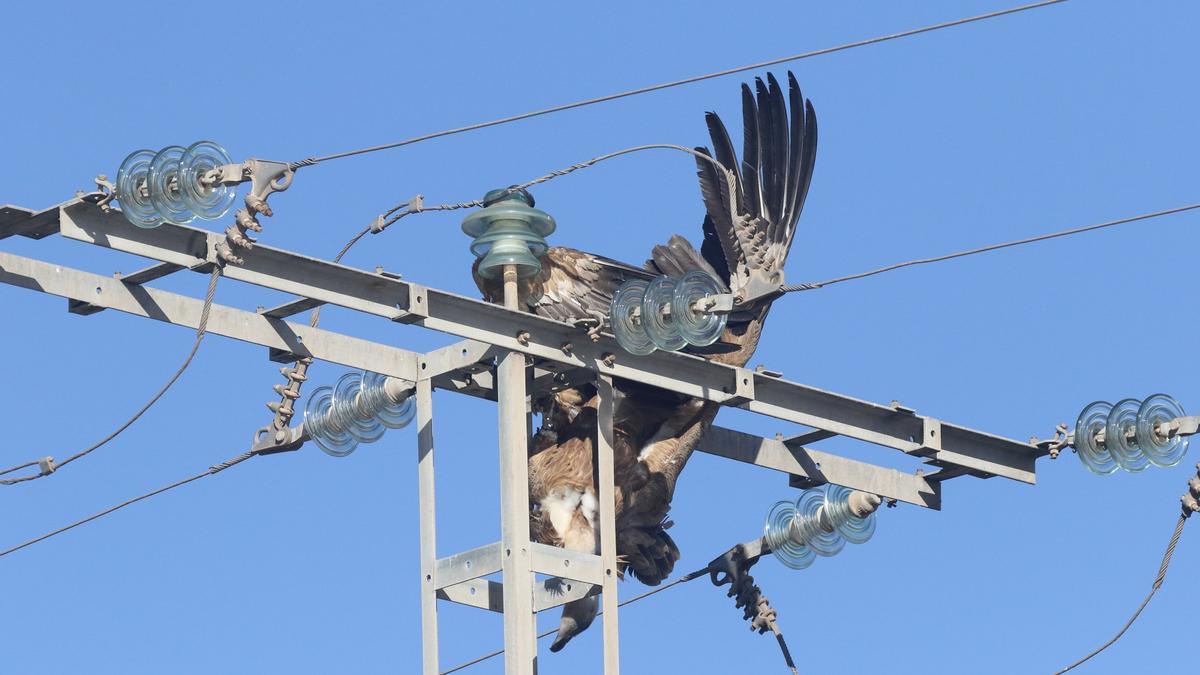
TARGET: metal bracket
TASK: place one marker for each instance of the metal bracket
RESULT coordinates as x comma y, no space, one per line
743,387
756,286
266,178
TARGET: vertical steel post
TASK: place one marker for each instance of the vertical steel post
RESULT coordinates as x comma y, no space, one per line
428,528
520,627
606,502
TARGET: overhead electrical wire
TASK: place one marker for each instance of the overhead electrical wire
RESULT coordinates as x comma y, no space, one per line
676,83
416,205
1158,582
685,578
791,288
215,468
48,466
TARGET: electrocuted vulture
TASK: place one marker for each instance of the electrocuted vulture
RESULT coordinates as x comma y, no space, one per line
655,431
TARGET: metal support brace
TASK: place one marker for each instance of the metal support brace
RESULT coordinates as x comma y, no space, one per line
520,627
428,528
606,501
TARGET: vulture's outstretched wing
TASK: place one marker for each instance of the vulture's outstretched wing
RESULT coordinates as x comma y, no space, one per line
571,286
778,154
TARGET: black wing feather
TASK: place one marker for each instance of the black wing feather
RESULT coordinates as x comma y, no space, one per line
752,205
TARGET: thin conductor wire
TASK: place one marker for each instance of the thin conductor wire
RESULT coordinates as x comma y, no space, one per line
201,329
216,468
791,288
685,578
676,83
417,205
1158,582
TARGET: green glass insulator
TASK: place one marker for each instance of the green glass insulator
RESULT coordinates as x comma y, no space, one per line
508,231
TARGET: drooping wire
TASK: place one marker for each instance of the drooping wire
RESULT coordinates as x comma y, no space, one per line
1158,582
676,83
416,205
791,288
201,330
216,468
683,579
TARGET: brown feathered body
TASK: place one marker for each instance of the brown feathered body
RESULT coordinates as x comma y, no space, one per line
655,431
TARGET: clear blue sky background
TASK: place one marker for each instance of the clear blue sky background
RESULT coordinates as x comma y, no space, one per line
301,563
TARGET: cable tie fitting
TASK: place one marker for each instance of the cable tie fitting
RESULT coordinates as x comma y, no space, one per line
378,225
46,466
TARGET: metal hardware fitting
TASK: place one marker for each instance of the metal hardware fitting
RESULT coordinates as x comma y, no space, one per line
266,178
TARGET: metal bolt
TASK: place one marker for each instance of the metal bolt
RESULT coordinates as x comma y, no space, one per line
609,359
567,348
523,338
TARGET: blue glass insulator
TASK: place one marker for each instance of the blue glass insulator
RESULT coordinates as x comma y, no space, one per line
1094,455
205,201
1121,438
353,413
133,190
166,191
625,317
323,427
697,327
1161,450
853,528
657,316
778,534
812,524
391,413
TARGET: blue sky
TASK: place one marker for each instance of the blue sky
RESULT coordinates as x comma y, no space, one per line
301,563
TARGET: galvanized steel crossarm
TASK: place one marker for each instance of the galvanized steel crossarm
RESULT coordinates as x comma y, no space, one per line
938,442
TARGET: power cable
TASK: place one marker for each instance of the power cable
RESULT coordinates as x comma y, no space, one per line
48,465
1158,582
685,578
676,83
417,205
791,288
216,468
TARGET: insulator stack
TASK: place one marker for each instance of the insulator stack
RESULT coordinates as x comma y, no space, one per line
819,523
174,185
359,408
666,313
509,231
1130,435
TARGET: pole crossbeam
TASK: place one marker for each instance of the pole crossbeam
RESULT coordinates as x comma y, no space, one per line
937,443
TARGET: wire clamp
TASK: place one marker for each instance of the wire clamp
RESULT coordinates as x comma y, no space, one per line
46,466
1053,446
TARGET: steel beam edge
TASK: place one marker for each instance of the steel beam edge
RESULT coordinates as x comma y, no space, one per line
106,292
814,467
